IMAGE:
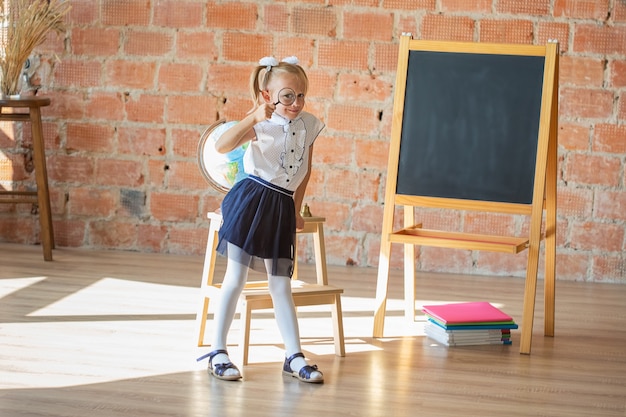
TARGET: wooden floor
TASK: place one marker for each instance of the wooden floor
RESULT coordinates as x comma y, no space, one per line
112,334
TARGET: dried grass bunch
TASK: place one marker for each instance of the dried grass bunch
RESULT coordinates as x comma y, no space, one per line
25,24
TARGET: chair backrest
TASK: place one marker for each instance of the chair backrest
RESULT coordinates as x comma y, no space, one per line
220,170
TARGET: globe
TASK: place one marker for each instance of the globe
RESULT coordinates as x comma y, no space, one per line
221,170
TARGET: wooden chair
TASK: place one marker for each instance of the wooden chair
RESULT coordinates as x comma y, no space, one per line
255,295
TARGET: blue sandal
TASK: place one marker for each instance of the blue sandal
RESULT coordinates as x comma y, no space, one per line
306,373
220,368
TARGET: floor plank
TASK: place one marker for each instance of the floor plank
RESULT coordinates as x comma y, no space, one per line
106,333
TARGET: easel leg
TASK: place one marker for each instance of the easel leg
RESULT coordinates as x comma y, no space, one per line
382,288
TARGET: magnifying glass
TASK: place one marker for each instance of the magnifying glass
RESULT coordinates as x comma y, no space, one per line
286,97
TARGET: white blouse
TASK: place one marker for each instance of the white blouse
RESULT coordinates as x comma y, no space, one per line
280,153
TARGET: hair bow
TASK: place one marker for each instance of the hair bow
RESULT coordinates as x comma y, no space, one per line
268,62
291,60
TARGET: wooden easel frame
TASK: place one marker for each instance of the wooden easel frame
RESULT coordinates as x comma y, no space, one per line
544,196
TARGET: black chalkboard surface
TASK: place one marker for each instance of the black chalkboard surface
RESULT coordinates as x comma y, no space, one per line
470,126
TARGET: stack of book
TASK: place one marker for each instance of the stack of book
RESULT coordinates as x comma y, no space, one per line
464,324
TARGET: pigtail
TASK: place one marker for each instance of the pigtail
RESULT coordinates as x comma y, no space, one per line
255,87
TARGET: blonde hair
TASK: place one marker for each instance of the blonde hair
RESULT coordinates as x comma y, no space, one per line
261,78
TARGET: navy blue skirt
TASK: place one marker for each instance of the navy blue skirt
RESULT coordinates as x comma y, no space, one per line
259,218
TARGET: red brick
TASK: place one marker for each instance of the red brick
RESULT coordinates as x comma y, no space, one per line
609,268
295,45
534,7
333,150
66,106
343,250
338,185
617,76
234,108
547,31
242,16
495,263
314,21
368,218
343,54
173,207
321,84
70,169
619,11
95,41
276,18
52,44
581,71
369,187
386,57
610,205
187,241
83,12
582,9
191,109
574,136
368,25
151,238
112,235
196,45
69,233
591,169
586,103
145,108
572,266
477,6
444,259
185,142
597,236
410,4
180,77
125,12
125,173
157,170
142,141
90,137
24,230
75,73
353,118
363,88
229,79
130,74
147,43
91,202
178,14
489,223
185,176
506,31
246,47
453,28
609,138
600,39
574,202
108,106
372,154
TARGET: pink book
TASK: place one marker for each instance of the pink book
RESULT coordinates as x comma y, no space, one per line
465,313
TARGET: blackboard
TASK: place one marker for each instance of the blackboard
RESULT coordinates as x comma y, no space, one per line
470,126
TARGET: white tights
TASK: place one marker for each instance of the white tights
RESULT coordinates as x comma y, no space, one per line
284,309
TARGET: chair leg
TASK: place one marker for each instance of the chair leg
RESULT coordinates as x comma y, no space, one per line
245,315
340,348
201,317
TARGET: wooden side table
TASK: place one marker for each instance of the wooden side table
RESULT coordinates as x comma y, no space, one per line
41,196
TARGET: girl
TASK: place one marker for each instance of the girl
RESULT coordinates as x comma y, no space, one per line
262,212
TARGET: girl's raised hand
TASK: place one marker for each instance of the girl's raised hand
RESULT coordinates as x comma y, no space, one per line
264,112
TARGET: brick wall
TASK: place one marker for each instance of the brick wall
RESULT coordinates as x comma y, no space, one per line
134,82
